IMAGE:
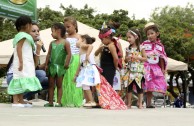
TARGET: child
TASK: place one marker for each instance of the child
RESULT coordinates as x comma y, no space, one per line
72,96
135,55
24,79
58,59
156,63
109,57
87,74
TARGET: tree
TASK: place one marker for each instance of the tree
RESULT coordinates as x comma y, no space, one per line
177,30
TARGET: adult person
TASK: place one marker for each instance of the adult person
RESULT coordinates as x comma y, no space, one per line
40,73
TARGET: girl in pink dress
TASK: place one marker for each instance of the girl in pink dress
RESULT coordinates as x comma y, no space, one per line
155,66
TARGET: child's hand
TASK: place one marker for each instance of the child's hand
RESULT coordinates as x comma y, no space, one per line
20,67
46,67
66,66
129,58
135,58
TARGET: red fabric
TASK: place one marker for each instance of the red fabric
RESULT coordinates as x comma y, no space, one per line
108,97
118,53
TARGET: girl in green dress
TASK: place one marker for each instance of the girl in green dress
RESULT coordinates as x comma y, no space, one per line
72,96
57,61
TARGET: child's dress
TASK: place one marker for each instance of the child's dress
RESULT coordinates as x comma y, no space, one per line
25,80
88,74
57,59
135,67
154,78
72,96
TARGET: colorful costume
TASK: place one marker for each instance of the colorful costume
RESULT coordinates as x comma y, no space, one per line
24,80
88,74
57,60
135,67
154,78
72,96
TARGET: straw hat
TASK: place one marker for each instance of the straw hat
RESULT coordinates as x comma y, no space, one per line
150,25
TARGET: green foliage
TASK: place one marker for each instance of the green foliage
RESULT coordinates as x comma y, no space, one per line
177,30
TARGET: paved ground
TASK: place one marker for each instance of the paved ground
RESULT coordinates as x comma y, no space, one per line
40,116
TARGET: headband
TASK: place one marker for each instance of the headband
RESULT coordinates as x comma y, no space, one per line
133,33
105,34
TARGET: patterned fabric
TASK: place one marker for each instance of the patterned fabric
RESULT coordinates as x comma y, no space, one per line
25,80
74,49
88,74
154,78
136,68
108,97
57,60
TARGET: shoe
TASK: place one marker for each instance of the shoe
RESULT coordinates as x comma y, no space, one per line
58,105
18,105
28,105
90,104
151,106
48,105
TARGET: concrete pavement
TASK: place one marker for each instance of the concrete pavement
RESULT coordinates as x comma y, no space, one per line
40,116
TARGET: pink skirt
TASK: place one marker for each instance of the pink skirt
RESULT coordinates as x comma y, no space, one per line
154,79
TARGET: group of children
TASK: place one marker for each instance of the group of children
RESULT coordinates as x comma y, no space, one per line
71,66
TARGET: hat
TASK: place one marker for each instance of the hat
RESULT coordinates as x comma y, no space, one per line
150,25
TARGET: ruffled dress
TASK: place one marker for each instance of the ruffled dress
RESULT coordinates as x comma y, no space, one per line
154,78
72,96
88,74
25,80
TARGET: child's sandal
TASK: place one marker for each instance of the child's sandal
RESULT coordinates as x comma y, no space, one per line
48,105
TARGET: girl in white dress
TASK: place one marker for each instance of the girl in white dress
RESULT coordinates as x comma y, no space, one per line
87,74
24,79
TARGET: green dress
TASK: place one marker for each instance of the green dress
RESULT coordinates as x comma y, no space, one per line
24,80
57,59
72,96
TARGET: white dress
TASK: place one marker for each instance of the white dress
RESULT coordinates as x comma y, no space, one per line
88,74
24,80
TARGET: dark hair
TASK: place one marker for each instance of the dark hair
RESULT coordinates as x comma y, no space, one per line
89,40
34,23
111,25
138,40
73,21
154,28
61,27
22,21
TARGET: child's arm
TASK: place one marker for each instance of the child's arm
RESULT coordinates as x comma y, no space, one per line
161,64
48,57
77,73
144,56
127,57
120,48
68,57
113,51
99,50
89,50
19,52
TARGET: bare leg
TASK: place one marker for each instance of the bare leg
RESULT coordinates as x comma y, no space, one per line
140,99
51,89
59,89
89,95
21,99
86,97
129,97
15,99
149,98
